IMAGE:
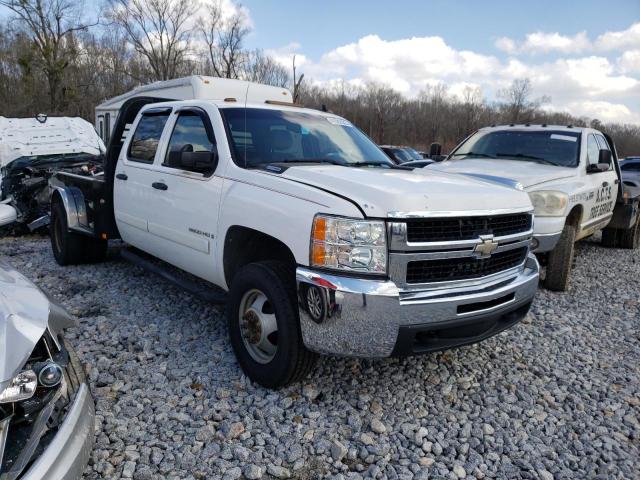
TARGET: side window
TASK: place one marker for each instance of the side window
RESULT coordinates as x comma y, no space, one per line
189,135
145,139
593,150
603,142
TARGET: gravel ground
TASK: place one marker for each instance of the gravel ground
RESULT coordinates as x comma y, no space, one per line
558,396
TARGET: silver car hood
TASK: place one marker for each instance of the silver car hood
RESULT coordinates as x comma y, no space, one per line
25,314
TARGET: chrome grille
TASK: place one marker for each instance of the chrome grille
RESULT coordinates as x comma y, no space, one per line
421,230
463,268
445,252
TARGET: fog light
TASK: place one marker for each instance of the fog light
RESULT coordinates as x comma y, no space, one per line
534,243
50,375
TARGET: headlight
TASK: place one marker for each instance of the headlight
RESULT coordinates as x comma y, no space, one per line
22,387
349,244
549,203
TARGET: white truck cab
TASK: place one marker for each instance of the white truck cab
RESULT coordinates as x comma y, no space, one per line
323,244
570,174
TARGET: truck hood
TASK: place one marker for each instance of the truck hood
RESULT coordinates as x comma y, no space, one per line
528,174
24,137
25,314
384,192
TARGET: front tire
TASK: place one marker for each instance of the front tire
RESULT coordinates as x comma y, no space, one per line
561,260
264,326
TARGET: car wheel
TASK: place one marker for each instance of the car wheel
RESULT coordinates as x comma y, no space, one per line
630,238
561,261
68,247
264,326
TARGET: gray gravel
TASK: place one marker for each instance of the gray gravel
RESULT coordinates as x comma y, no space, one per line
558,396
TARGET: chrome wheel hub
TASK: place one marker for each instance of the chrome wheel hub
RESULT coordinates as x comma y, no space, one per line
258,326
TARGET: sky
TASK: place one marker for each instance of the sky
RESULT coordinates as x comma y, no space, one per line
584,55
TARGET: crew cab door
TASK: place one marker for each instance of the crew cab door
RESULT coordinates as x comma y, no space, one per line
604,186
132,191
185,194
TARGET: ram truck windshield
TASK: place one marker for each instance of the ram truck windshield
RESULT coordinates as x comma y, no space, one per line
261,136
548,147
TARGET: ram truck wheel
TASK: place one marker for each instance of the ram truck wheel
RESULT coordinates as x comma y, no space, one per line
561,261
610,237
264,325
630,238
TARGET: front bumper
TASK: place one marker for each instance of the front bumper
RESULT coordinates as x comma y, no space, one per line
546,233
68,453
372,318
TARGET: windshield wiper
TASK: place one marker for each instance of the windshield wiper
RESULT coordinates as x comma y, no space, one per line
370,164
523,156
473,154
309,160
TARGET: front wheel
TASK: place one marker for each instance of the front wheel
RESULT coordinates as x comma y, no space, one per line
264,326
561,260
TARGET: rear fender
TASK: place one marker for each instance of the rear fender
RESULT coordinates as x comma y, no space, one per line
74,205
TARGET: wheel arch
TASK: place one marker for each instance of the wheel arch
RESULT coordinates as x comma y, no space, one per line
244,245
575,216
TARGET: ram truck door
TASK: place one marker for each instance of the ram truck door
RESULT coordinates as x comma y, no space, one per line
604,188
185,195
132,191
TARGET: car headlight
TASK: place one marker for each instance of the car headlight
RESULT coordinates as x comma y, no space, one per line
22,386
549,203
349,244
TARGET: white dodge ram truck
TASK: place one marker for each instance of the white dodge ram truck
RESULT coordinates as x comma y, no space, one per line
324,245
572,177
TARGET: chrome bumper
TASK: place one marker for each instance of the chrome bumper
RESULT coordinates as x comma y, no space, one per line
68,453
374,318
544,242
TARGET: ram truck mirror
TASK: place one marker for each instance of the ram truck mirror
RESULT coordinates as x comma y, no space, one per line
598,167
604,156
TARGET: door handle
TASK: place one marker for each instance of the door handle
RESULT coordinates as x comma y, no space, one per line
159,185
121,176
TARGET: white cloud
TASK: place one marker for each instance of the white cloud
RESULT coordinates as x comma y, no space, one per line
629,62
589,85
506,45
628,38
284,55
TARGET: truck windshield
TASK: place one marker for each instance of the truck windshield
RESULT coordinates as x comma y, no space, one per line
551,147
259,136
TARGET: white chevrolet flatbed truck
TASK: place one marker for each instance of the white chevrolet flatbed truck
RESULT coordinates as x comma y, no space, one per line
573,178
323,245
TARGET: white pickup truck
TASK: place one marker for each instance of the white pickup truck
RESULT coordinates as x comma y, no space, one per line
324,245
573,179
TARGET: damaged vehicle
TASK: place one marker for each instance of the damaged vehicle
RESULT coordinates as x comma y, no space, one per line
46,410
31,150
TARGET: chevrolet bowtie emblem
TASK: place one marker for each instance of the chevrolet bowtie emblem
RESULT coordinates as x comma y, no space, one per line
486,246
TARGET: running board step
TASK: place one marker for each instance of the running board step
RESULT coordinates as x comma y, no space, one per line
199,291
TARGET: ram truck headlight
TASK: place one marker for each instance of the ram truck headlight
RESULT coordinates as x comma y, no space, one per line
22,386
549,203
349,244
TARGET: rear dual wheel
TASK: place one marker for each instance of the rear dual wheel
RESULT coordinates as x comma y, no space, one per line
71,248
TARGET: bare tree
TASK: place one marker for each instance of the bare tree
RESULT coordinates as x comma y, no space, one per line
518,106
50,25
224,41
159,30
384,103
261,68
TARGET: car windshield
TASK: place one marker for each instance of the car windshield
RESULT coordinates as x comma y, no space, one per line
551,147
259,136
400,155
413,154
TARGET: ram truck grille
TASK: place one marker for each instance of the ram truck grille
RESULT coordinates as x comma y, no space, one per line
422,230
464,268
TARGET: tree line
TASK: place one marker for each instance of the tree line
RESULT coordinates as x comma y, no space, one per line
55,58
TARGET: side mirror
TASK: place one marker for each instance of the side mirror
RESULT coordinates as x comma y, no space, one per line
597,167
435,150
203,162
604,156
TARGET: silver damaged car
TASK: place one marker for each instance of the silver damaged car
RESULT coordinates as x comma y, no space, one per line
46,410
